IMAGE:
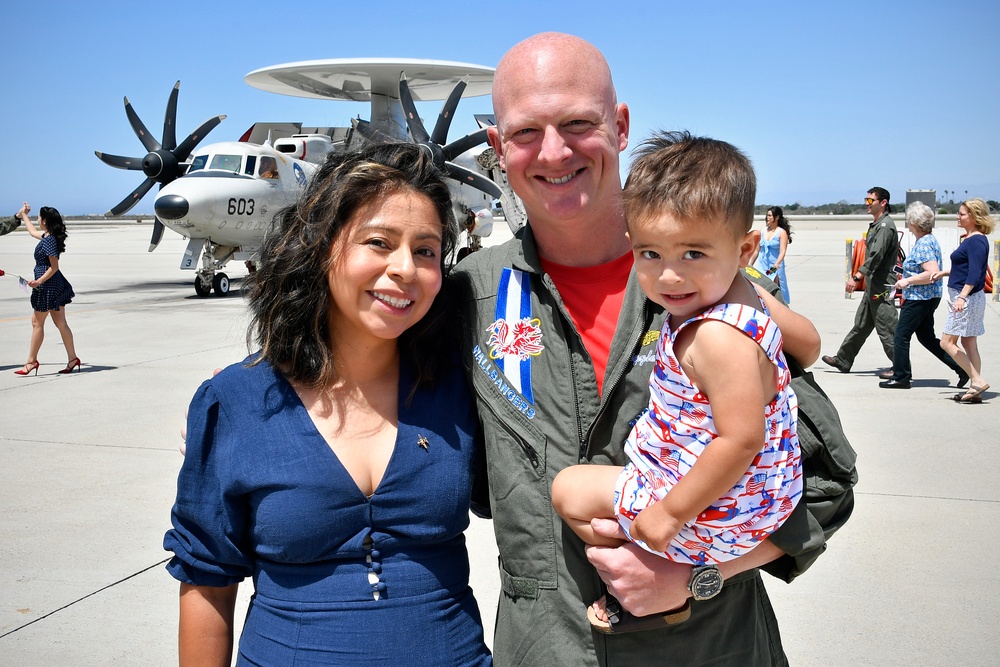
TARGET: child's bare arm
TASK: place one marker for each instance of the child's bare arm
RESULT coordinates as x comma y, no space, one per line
739,380
801,339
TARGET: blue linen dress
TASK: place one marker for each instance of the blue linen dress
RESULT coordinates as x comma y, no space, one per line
340,578
55,292
768,255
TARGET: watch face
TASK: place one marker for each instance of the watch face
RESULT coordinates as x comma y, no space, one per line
706,583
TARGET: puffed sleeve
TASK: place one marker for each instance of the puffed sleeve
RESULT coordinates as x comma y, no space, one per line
50,246
209,518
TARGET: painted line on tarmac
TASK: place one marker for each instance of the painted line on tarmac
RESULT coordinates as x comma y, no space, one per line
66,606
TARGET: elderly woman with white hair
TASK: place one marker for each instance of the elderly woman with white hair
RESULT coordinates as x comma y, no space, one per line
921,297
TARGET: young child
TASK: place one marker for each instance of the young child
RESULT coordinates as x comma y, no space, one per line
714,464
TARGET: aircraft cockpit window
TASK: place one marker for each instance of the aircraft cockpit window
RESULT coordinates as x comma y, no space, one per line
251,165
268,167
198,163
227,162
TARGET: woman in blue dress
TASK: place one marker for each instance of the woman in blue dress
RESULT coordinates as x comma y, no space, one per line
335,466
50,291
966,291
770,256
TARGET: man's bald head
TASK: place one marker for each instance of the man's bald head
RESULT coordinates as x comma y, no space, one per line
546,59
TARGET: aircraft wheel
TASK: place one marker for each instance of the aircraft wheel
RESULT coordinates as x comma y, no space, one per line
203,286
221,284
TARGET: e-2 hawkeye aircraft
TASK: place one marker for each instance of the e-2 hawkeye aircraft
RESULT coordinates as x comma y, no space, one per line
223,197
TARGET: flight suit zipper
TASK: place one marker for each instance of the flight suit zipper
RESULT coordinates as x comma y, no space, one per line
609,388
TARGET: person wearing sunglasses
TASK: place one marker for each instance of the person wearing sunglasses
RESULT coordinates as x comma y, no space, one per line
876,310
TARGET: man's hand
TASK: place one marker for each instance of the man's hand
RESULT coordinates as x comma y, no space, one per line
643,583
850,286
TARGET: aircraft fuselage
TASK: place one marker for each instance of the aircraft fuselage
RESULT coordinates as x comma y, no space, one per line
231,193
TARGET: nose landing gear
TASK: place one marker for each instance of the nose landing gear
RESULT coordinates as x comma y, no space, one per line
213,257
206,283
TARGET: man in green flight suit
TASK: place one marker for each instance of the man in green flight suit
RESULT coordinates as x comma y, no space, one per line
10,223
559,349
876,310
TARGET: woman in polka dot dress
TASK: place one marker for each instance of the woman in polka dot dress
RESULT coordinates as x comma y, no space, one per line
50,289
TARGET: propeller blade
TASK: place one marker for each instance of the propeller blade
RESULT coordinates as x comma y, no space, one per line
170,120
131,163
365,129
413,121
440,134
184,150
140,130
471,178
133,198
459,146
157,235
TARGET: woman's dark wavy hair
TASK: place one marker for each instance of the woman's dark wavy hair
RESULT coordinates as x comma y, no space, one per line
55,226
779,215
290,297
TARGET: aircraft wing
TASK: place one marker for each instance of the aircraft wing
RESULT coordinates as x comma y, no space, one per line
357,79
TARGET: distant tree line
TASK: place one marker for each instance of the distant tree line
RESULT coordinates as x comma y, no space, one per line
844,207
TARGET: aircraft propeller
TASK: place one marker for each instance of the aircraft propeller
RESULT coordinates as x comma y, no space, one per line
434,143
164,160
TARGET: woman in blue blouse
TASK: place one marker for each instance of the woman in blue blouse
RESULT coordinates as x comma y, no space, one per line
921,296
335,466
966,284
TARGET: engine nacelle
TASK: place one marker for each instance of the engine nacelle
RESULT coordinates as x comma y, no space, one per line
309,147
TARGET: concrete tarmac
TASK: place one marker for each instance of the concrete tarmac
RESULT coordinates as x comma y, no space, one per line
89,465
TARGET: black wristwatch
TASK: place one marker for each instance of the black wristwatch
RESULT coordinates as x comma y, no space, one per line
706,582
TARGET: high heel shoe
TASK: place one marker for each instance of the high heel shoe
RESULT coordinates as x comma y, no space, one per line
73,363
27,368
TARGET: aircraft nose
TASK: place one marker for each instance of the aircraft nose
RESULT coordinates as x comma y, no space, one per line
171,207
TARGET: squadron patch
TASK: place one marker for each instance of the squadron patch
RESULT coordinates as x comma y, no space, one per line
515,336
522,340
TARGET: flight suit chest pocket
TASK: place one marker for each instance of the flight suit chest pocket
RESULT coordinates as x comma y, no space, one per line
520,496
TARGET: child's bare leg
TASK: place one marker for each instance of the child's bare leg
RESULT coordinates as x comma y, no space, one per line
584,492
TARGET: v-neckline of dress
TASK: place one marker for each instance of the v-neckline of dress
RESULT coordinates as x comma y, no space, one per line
338,465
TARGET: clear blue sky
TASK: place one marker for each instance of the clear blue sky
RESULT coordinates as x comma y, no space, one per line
828,99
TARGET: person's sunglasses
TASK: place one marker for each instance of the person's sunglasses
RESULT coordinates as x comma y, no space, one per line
869,201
